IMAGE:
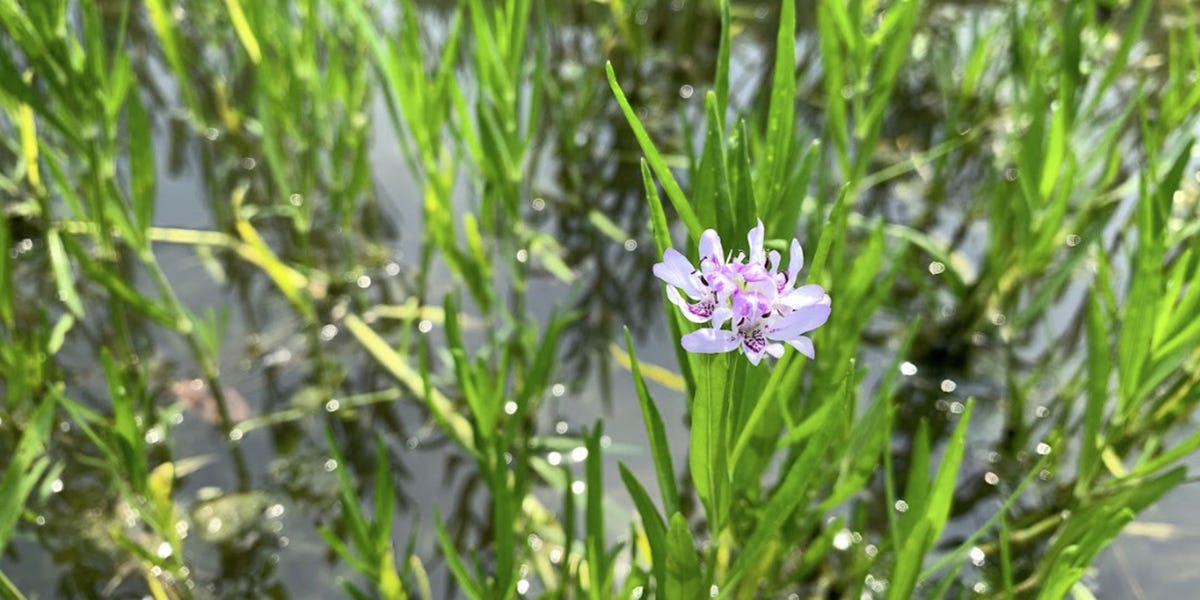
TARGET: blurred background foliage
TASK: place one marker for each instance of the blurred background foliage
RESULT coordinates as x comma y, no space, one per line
316,298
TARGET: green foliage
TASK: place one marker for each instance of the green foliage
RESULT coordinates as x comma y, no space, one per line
999,198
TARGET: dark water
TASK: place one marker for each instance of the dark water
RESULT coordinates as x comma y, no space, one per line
254,505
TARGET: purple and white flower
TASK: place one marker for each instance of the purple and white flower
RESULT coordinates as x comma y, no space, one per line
761,304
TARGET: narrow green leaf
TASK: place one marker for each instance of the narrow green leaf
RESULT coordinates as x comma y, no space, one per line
141,164
385,497
707,450
242,27
599,580
684,579
469,586
8,589
941,493
64,279
652,524
25,467
722,76
660,448
781,114
674,193
58,335
662,241
1099,370
711,195
6,281
791,494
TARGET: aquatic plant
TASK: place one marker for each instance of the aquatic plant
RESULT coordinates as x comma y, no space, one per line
761,304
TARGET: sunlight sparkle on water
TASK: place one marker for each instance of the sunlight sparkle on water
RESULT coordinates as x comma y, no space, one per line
328,332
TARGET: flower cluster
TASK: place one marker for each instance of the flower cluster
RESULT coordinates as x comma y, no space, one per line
762,306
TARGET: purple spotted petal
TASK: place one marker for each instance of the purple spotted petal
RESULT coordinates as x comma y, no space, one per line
699,312
760,303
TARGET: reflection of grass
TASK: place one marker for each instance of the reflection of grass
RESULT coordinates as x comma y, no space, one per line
998,198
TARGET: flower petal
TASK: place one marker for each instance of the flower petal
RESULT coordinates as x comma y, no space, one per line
797,261
720,316
799,322
773,261
692,312
711,253
747,304
775,350
804,345
675,269
754,272
755,238
711,341
805,295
